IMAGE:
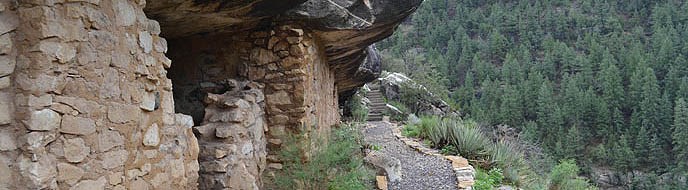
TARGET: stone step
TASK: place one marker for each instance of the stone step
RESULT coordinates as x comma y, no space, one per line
375,118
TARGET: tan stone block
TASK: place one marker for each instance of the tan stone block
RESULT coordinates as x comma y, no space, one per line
457,161
223,132
41,101
7,142
255,73
279,119
7,64
294,40
122,113
63,109
263,56
6,44
108,139
43,120
278,98
42,172
77,125
125,13
291,62
281,46
68,173
283,54
6,108
273,40
5,82
114,159
381,182
296,50
152,136
146,41
75,150
149,101
8,21
115,178
37,140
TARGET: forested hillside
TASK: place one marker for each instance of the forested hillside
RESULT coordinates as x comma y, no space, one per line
601,82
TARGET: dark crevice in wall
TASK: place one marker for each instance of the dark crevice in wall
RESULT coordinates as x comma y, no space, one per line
201,64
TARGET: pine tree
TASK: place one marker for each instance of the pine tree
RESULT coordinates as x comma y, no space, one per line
510,108
574,144
623,154
680,135
549,115
642,147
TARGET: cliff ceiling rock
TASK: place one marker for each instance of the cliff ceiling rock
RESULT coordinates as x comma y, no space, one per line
347,28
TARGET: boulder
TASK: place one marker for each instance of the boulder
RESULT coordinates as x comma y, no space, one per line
391,87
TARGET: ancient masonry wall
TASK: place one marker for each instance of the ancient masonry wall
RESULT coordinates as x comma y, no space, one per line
300,92
232,138
88,100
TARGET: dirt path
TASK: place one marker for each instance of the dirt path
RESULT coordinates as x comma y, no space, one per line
418,171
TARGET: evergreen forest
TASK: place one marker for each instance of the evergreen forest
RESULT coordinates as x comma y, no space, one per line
601,82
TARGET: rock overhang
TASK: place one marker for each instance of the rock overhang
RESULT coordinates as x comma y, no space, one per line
346,28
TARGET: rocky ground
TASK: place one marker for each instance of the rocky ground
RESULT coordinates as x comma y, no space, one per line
418,171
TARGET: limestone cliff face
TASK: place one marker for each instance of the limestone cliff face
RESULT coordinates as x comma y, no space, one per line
129,94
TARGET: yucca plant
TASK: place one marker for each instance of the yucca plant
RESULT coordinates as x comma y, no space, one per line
438,133
468,139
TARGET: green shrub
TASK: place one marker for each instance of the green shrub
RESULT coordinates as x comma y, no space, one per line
334,165
358,111
464,137
449,150
489,180
410,131
564,176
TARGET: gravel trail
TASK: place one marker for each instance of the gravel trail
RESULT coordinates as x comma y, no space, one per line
419,171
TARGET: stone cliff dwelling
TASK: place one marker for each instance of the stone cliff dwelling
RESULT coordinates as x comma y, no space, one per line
175,94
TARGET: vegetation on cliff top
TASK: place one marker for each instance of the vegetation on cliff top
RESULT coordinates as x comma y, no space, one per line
598,82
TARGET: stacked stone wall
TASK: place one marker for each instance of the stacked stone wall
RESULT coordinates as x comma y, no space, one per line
300,92
9,128
232,140
90,105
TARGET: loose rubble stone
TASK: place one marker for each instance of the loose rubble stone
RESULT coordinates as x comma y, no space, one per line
43,120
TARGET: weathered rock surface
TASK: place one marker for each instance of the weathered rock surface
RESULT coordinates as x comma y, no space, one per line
346,28
391,86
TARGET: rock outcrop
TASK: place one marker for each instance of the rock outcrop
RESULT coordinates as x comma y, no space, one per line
93,97
391,86
346,29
